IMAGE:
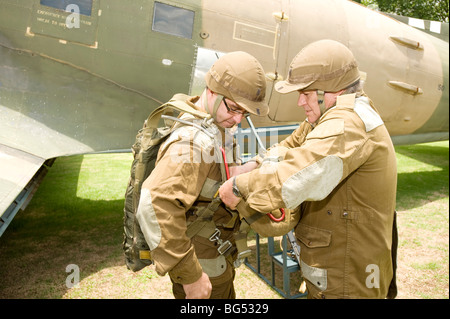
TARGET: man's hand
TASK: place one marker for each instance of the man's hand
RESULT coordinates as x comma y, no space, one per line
227,196
201,289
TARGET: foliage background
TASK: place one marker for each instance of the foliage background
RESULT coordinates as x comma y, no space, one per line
436,10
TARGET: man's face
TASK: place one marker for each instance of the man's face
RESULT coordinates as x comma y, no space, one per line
229,114
308,100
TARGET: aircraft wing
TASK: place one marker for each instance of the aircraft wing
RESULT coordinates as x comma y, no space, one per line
50,108
17,168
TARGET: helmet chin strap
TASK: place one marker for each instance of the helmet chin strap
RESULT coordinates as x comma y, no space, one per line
216,105
321,100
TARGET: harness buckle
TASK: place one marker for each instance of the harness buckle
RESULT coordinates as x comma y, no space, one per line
223,248
215,236
241,258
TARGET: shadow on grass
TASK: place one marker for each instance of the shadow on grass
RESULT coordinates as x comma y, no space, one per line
58,229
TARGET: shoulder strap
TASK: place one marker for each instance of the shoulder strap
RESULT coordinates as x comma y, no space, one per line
178,102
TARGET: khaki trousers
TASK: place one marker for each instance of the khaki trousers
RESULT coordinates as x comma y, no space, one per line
222,286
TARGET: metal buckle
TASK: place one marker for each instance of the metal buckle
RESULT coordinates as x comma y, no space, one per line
215,236
241,257
223,248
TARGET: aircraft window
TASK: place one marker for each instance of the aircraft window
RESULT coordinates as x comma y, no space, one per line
173,20
84,5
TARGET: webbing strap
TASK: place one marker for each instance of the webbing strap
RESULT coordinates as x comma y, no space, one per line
180,105
203,218
216,104
221,160
145,254
240,238
241,235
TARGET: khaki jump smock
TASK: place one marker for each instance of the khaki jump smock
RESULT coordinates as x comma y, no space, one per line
343,173
186,177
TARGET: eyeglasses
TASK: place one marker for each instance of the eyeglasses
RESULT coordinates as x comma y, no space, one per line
235,111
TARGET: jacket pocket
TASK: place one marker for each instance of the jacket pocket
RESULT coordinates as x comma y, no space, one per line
315,251
313,237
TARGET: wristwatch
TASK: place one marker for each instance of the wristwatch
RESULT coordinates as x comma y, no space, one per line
236,191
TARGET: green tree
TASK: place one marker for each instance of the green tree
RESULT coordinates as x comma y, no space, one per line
437,10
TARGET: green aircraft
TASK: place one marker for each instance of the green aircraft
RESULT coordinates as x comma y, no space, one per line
81,76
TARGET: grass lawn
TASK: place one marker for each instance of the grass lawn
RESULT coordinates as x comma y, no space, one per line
75,218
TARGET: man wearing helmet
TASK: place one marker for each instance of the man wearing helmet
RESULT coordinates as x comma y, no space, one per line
340,167
186,177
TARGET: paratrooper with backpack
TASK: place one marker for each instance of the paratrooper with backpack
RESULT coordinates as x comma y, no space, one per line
173,216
